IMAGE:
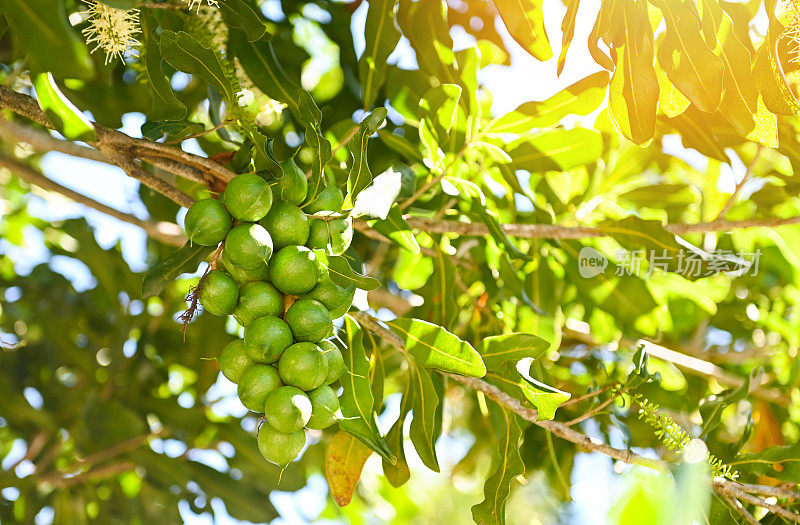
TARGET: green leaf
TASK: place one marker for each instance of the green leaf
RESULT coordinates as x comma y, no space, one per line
360,175
51,44
356,401
241,15
663,248
344,275
174,129
711,411
781,463
767,71
121,4
381,36
183,260
688,61
67,119
426,416
741,103
633,98
498,350
397,230
581,98
557,150
259,61
508,465
525,22
311,115
185,53
400,144
166,105
440,303
440,105
434,347
264,159
399,473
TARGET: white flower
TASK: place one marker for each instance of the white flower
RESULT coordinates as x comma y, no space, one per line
110,29
198,3
245,97
270,114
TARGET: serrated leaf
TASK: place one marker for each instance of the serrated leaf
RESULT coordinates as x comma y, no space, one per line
183,260
67,119
381,35
261,65
399,473
241,15
356,402
342,273
581,98
185,53
524,20
508,465
311,115
166,105
633,97
425,411
175,129
345,457
498,350
360,175
50,43
558,150
395,228
434,347
686,58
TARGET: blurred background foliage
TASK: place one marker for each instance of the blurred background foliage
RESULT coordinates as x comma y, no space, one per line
108,415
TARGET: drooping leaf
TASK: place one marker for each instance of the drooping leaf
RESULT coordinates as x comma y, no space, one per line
241,15
343,274
741,103
356,402
711,411
425,411
51,44
395,228
440,303
399,473
259,61
767,70
345,457
66,118
381,36
360,175
633,96
688,61
434,347
166,105
183,260
782,462
498,350
581,98
524,20
558,150
508,465
567,32
185,53
400,144
312,116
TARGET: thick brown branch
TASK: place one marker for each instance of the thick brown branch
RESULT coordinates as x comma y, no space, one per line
731,489
12,132
27,106
553,231
165,232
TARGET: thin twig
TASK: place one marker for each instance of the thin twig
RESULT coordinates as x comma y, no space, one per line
739,508
166,232
747,175
591,412
732,490
766,490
